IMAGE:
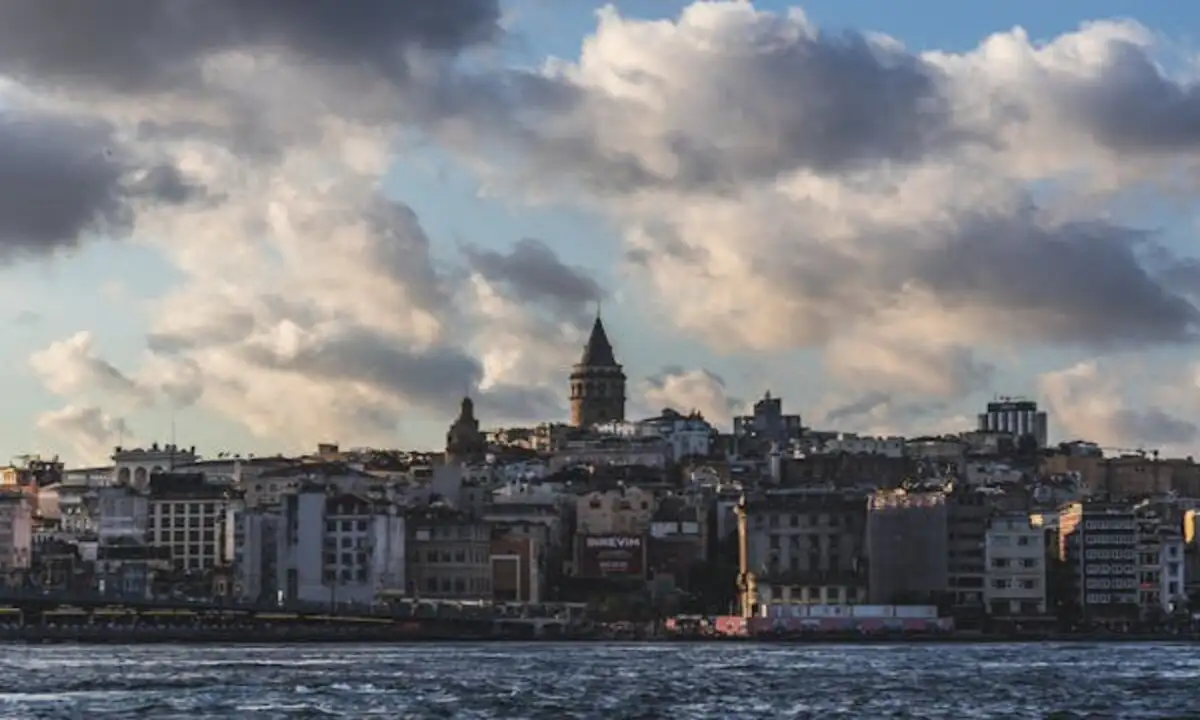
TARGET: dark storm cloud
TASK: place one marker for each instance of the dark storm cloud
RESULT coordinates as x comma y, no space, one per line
1130,106
1074,282
57,179
535,275
61,178
148,45
1153,426
431,378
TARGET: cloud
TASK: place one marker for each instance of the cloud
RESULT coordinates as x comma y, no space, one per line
301,283
63,178
72,368
1087,402
785,188
141,46
777,188
87,431
535,274
683,390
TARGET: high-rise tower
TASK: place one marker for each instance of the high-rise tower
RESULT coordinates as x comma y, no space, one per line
597,382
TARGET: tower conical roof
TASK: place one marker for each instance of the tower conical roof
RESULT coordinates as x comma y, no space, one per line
598,352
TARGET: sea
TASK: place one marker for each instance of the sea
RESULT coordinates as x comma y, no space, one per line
560,681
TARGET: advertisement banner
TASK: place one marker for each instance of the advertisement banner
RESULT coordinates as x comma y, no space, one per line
618,556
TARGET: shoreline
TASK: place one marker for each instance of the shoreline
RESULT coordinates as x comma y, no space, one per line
325,636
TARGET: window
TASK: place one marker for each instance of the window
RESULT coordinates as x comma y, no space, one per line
1023,540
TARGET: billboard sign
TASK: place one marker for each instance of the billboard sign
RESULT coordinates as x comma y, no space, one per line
612,556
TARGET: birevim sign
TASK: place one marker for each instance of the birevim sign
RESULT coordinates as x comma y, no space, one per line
612,556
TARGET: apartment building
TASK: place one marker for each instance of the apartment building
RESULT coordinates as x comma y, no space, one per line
16,532
333,547
802,547
1098,543
907,552
450,554
1016,567
190,516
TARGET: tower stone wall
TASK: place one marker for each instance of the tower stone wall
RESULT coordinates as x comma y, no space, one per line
597,383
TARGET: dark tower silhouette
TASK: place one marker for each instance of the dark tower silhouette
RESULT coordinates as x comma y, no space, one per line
597,382
464,442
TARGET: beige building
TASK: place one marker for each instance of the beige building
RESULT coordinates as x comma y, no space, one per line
621,511
16,531
449,555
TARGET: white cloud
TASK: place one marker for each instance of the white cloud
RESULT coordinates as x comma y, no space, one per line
1087,401
688,390
89,432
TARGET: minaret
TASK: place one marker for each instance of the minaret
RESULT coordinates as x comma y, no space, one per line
597,382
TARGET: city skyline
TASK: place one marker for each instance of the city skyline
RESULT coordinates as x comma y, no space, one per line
333,227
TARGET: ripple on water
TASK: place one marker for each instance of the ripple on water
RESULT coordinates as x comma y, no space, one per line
687,682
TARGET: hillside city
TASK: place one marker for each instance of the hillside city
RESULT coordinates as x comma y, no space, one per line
666,517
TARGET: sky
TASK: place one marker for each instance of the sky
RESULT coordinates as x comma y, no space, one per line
254,227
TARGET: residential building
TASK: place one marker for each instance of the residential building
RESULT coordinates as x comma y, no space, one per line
16,532
516,570
1161,572
907,553
597,383
331,547
1015,552
192,517
620,511
122,514
802,548
257,555
1097,542
967,514
450,554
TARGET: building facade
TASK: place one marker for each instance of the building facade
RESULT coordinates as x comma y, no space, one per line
802,548
1017,417
338,548
16,531
597,383
189,516
450,555
1016,567
1097,542
907,554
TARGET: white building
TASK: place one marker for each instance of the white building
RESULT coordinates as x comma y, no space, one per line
16,531
1015,552
256,555
852,444
134,466
339,548
1160,548
613,451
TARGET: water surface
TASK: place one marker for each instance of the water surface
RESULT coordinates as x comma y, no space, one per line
558,682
